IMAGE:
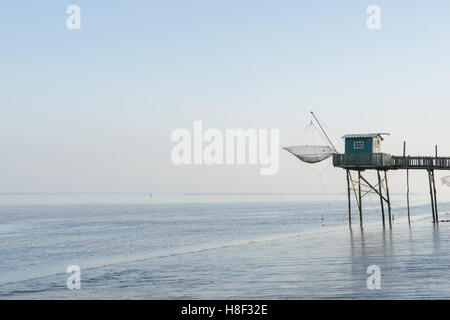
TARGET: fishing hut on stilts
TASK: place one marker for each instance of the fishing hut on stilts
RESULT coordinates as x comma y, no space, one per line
363,153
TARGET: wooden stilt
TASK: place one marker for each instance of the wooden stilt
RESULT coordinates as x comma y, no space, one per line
349,199
381,196
354,188
435,197
407,181
434,188
388,198
360,199
431,195
407,195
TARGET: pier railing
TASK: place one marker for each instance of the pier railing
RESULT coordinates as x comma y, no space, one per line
389,162
363,160
408,162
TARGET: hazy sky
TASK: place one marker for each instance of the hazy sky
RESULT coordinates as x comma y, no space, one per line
92,110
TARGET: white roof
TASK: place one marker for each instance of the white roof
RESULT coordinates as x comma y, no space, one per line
363,135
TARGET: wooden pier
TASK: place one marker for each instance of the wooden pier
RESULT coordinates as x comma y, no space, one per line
363,152
385,161
382,163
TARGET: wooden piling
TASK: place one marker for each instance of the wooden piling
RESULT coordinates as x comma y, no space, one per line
407,195
407,182
434,187
360,199
388,198
349,199
381,196
431,195
435,197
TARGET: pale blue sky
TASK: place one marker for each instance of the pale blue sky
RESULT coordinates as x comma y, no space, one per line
92,110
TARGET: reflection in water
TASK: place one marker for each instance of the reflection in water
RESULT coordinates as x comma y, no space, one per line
363,246
252,251
436,241
412,259
410,240
371,246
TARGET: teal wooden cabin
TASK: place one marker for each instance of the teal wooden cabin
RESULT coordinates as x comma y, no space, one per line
363,151
363,143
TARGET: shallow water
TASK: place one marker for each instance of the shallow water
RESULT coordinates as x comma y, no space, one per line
273,250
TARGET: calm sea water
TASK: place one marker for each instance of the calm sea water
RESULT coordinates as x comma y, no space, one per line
267,250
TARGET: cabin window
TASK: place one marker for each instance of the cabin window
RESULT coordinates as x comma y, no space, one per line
358,145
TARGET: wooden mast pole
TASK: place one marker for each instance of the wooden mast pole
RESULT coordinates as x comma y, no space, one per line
321,128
